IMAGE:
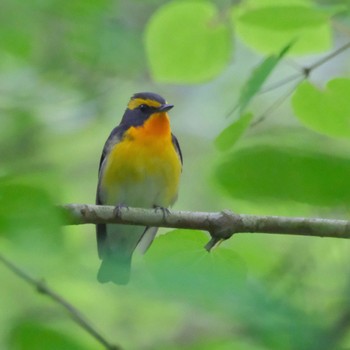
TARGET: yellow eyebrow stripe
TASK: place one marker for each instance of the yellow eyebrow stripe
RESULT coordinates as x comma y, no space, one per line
136,102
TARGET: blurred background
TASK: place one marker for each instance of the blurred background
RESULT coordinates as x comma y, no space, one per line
67,71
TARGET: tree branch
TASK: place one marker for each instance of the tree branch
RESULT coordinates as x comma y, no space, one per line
305,71
77,317
220,225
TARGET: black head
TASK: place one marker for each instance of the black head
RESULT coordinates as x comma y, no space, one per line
141,106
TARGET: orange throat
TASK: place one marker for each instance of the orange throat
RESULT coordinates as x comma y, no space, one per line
157,125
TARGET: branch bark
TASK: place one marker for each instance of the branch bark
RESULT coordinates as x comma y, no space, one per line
220,225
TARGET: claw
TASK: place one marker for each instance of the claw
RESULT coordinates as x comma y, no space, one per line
117,209
164,210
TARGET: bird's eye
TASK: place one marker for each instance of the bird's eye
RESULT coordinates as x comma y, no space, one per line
143,108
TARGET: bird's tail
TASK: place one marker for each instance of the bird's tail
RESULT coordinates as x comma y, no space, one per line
115,268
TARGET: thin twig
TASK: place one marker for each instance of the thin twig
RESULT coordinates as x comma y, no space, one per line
328,57
281,83
276,104
232,110
306,70
303,74
77,317
221,225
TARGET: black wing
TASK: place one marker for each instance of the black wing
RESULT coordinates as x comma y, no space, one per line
177,147
101,233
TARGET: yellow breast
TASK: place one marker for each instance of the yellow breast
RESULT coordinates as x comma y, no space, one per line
144,168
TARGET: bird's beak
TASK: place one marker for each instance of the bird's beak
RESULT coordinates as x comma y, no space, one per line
165,108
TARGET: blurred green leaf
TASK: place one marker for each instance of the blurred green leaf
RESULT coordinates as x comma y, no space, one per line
298,17
28,215
327,111
269,3
229,136
333,9
18,135
266,173
182,266
207,343
258,77
232,133
18,30
216,281
268,28
35,336
186,42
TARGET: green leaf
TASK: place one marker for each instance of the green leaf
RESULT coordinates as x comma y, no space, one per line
269,3
182,266
216,281
229,136
268,28
28,215
259,76
327,111
17,129
186,42
34,336
266,173
334,9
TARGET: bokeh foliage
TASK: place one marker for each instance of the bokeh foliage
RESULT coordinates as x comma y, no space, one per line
67,70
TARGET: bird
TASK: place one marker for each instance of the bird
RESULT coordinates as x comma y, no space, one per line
140,166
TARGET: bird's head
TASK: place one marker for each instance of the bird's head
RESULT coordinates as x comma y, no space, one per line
142,106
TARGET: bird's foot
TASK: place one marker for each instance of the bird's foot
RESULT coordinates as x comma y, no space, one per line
117,209
164,210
